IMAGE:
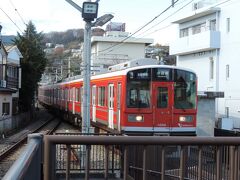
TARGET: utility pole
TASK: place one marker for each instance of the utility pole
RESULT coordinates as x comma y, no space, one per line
89,12
86,76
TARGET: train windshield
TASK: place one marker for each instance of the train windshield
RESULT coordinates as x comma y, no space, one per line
138,88
184,90
139,83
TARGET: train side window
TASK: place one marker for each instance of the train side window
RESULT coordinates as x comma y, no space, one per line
70,94
65,94
76,94
101,96
79,94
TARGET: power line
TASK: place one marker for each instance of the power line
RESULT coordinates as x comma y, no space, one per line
164,20
140,27
17,12
173,14
11,19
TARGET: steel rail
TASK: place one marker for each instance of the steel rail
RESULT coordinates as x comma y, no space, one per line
16,145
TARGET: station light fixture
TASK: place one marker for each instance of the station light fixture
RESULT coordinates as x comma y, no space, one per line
89,11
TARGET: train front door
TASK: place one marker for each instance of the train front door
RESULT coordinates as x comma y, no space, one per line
162,106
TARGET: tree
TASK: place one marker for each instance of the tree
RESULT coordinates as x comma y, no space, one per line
33,64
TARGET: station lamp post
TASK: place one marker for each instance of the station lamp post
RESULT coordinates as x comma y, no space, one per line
89,12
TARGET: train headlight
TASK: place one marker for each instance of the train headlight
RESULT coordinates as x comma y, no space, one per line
185,118
135,118
139,118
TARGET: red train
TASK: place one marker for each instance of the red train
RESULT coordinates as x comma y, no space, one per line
134,97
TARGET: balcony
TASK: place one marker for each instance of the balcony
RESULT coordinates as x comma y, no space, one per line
9,76
204,41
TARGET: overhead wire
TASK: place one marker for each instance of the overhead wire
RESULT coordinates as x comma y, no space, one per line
171,15
149,22
164,20
11,20
17,12
160,21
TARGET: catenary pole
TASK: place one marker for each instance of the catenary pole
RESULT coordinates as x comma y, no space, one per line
86,79
89,15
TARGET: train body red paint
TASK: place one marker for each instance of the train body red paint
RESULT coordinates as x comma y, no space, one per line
133,98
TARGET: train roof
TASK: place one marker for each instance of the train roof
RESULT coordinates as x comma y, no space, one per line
123,69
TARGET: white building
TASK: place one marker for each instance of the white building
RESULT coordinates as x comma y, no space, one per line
116,47
209,43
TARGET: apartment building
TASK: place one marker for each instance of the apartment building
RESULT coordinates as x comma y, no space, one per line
117,47
208,42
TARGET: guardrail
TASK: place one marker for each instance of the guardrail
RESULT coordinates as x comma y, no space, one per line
29,164
192,157
140,157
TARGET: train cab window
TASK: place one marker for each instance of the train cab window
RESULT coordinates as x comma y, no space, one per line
184,90
138,94
162,97
138,88
133,97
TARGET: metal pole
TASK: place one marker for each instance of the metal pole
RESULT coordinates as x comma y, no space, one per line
86,79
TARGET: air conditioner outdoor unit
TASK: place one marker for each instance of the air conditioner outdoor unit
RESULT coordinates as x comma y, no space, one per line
3,83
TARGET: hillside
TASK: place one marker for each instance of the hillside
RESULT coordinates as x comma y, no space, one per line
70,38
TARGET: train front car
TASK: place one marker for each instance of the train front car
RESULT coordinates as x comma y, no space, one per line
160,100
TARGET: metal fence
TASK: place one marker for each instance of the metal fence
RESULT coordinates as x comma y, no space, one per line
141,157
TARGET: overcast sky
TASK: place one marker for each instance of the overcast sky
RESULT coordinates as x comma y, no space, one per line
58,15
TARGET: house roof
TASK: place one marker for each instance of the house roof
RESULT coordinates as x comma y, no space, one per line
14,47
8,39
109,39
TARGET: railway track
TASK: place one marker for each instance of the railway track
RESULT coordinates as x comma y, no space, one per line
12,147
